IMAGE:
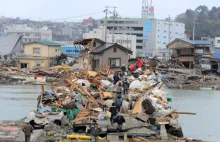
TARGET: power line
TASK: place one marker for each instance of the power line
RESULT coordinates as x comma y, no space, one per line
73,16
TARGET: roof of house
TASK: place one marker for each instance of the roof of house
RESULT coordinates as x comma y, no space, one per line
7,44
49,43
106,46
88,40
193,42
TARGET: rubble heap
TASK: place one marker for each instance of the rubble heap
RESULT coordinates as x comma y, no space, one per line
81,96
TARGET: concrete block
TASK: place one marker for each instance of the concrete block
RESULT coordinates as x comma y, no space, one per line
113,137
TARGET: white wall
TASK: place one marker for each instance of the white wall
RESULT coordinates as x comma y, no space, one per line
162,32
217,42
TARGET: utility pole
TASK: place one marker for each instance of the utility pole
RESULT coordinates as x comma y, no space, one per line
169,37
194,26
106,22
113,31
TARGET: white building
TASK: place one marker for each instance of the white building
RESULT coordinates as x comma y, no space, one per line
217,42
126,40
29,33
152,35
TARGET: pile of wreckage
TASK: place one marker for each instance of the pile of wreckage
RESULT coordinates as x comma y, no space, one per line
65,112
186,81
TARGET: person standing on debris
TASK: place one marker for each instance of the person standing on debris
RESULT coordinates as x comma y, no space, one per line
39,100
119,89
116,78
139,63
118,103
91,126
113,113
120,120
125,86
95,133
123,69
28,129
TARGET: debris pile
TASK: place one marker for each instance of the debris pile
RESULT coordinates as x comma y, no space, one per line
82,97
185,81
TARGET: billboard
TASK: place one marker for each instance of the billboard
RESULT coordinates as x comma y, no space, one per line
148,12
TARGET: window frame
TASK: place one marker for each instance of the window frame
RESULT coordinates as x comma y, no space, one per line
110,60
36,48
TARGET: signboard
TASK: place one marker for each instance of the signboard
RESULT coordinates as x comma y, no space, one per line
148,12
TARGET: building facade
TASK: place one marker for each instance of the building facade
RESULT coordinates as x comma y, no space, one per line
39,54
126,40
29,34
152,35
217,42
193,54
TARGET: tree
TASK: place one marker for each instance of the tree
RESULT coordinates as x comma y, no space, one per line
207,21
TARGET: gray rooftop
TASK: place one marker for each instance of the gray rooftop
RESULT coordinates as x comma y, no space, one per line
105,46
7,43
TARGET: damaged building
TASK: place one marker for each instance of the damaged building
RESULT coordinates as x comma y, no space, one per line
195,55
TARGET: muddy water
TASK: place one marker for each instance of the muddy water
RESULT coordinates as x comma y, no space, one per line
17,101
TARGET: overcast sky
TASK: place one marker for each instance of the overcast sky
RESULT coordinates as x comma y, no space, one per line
60,9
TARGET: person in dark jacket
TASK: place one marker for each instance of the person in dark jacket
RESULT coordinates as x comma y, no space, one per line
123,69
120,120
118,103
125,86
116,78
28,129
113,113
95,132
92,125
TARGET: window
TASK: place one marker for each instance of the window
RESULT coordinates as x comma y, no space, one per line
218,41
139,47
55,50
114,62
36,50
165,31
164,43
114,49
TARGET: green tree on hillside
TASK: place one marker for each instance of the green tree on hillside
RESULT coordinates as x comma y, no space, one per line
207,21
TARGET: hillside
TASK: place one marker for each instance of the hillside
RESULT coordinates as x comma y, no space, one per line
207,21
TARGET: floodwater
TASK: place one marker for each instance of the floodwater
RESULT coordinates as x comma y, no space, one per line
206,104
17,101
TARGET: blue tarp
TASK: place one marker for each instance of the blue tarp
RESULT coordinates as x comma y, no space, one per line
216,53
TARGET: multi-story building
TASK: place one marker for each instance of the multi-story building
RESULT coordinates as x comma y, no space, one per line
125,40
30,34
152,35
39,54
217,42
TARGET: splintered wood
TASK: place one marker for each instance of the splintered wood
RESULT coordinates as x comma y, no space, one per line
85,116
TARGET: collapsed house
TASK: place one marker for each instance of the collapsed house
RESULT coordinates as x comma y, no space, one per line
195,55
